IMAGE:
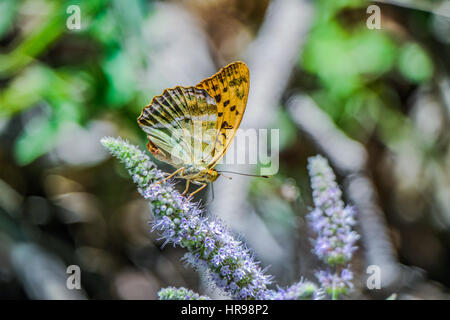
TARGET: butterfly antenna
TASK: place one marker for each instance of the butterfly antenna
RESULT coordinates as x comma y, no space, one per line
229,178
244,174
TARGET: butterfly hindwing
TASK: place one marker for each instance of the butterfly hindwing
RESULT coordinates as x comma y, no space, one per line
181,126
229,87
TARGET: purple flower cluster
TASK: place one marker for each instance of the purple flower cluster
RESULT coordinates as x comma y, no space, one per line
231,266
332,221
340,281
172,293
302,290
180,222
209,244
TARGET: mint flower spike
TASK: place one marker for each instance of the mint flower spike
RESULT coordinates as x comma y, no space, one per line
333,223
171,293
182,223
302,290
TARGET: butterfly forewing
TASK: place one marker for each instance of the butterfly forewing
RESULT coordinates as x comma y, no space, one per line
229,87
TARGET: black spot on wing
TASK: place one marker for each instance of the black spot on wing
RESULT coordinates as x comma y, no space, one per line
225,125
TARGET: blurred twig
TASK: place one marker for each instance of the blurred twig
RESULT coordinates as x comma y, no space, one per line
444,88
185,61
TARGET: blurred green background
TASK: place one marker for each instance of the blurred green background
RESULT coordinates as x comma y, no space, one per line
63,201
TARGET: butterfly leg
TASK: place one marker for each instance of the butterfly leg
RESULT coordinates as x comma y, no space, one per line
199,189
187,187
172,174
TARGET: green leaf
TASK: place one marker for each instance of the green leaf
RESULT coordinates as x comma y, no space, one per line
25,90
38,138
415,64
42,132
120,74
7,13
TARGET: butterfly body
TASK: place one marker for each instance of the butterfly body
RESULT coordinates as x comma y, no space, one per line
199,174
192,127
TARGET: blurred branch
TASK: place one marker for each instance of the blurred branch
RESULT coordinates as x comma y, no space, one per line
271,58
444,88
350,159
10,199
182,62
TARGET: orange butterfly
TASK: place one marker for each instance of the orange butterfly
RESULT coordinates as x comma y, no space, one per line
192,127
